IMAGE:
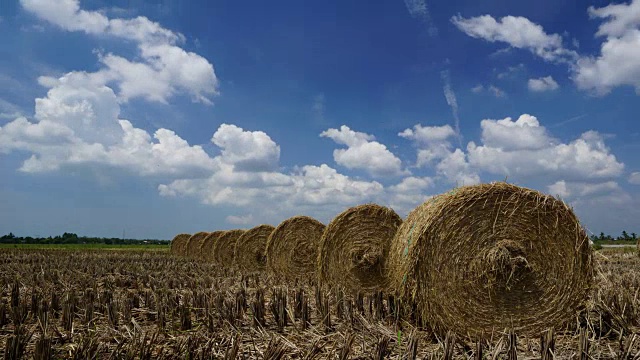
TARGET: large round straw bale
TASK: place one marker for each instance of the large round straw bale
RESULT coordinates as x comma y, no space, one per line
490,257
194,242
179,244
225,245
292,248
249,252
354,247
206,249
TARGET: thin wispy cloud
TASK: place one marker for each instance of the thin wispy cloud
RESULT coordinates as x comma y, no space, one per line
452,101
420,10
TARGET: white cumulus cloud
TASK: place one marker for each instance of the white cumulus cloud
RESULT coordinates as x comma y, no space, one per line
239,219
363,152
246,150
524,149
542,84
433,142
519,32
618,63
78,124
165,69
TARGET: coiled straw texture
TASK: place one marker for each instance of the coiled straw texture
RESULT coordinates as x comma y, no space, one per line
354,248
179,244
250,248
224,247
490,257
292,248
194,243
206,247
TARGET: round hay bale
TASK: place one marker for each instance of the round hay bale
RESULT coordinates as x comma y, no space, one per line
194,242
206,249
354,247
250,247
179,244
490,257
292,248
224,246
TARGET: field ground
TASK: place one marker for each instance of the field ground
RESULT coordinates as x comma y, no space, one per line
86,247
74,303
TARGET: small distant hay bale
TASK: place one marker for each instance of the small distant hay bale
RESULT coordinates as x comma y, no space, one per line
194,243
206,248
179,244
354,248
490,257
249,252
292,248
224,247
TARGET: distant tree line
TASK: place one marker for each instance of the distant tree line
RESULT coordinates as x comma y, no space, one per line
71,238
626,237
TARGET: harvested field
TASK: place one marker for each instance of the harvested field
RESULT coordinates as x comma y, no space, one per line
138,304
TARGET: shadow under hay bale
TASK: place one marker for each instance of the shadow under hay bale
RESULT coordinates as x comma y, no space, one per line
224,247
292,248
490,257
206,249
249,251
194,243
354,248
179,244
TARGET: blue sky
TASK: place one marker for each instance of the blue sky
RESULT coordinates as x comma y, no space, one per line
159,117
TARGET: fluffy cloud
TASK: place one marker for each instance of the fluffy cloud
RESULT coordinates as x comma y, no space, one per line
363,152
433,142
252,151
506,134
409,193
542,84
309,186
578,189
619,60
523,149
166,69
518,32
491,89
434,148
634,178
239,220
78,124
457,170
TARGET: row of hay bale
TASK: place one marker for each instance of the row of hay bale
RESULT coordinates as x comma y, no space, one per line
476,260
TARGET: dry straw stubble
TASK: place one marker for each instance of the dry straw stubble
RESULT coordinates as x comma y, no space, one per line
224,247
490,257
179,244
250,248
354,248
194,243
206,248
292,248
